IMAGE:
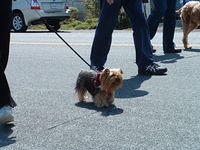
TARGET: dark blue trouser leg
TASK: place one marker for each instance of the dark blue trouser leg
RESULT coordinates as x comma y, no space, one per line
5,13
160,7
140,32
169,26
103,34
107,21
166,9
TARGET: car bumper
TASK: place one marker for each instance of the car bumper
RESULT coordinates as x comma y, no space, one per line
45,19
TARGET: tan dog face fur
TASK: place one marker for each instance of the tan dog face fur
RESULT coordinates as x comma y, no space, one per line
111,79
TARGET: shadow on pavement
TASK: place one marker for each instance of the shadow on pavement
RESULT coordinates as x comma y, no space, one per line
5,132
111,110
192,50
130,86
167,58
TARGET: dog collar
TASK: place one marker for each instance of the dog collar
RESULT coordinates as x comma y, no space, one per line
97,81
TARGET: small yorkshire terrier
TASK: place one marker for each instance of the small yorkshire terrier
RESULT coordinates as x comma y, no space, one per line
100,85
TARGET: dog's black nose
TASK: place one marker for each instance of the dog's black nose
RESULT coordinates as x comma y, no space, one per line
117,80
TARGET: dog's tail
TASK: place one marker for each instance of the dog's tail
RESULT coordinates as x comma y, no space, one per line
78,84
179,11
79,88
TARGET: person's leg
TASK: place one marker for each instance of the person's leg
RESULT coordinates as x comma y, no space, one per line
5,33
140,32
169,26
5,96
5,12
144,57
157,13
103,35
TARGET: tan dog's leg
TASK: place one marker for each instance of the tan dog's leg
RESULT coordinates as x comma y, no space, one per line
101,99
111,98
98,100
105,103
185,35
82,95
191,27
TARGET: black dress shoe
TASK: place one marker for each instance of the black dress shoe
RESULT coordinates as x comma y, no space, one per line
173,51
152,69
97,68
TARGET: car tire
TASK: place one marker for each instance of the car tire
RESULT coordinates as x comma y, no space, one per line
18,23
54,25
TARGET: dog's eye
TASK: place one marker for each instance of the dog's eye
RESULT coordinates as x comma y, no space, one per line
112,75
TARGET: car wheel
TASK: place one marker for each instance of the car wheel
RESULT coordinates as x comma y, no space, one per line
54,25
18,23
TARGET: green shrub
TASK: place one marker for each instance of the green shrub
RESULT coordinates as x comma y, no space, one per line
92,8
74,12
75,23
123,20
92,23
81,26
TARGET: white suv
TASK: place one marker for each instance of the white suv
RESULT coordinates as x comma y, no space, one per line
31,12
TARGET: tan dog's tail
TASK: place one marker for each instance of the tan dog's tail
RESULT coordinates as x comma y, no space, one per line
179,11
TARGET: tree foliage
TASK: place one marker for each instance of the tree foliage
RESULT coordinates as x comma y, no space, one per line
93,9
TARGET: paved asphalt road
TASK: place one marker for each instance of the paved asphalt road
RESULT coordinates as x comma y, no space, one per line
150,113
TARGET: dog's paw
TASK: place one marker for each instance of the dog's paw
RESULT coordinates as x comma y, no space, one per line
188,47
83,100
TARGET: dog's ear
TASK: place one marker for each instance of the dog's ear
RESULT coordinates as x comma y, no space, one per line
107,71
179,11
120,70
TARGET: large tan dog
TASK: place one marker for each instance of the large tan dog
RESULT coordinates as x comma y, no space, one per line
190,15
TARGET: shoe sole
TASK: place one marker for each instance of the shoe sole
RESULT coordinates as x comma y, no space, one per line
6,119
159,73
172,52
